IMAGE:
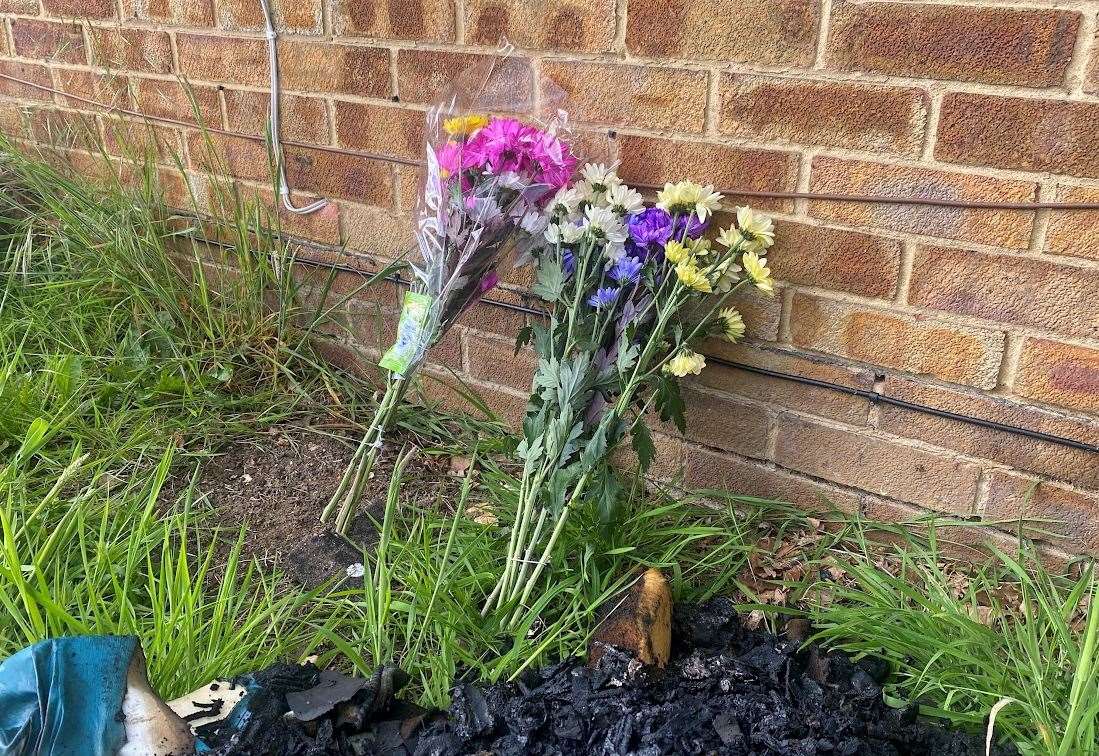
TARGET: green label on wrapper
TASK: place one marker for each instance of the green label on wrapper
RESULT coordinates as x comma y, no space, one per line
410,333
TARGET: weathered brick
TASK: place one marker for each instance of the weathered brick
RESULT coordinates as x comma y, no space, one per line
646,160
441,388
413,20
29,7
324,67
620,95
1022,133
70,8
194,13
27,72
55,41
380,128
138,141
322,226
762,314
298,16
726,423
1007,289
494,360
954,353
1074,232
835,259
828,113
242,158
1091,80
769,32
423,75
12,122
1061,374
65,129
304,119
1070,514
536,25
1028,46
1004,228
784,393
339,176
131,49
740,477
491,318
109,89
884,466
377,231
1021,452
667,464
229,60
170,98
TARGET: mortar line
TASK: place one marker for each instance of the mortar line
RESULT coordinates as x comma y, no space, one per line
825,28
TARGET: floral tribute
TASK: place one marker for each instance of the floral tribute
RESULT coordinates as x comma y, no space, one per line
488,183
634,288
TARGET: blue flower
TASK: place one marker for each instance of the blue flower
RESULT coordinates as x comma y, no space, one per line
603,298
568,263
626,271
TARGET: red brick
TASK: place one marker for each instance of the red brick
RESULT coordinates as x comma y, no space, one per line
646,160
1091,82
835,259
424,75
70,8
768,32
762,314
1074,232
231,60
1068,514
304,119
535,25
726,423
1021,133
883,466
11,121
1021,452
325,67
1029,47
376,231
131,49
1002,228
242,158
418,20
1007,289
193,13
65,129
740,477
618,95
491,318
339,176
172,99
1061,374
27,72
138,141
951,352
827,113
380,128
109,89
55,41
784,393
667,464
322,226
494,360
28,7
301,16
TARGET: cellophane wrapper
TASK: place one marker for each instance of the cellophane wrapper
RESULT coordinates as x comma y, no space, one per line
494,157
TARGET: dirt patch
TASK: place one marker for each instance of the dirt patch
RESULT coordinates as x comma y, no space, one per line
277,485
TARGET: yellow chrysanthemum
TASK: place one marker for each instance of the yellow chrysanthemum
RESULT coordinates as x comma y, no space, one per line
760,273
463,125
732,324
675,253
758,231
688,197
693,278
685,363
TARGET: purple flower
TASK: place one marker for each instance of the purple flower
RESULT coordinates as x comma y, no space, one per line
489,281
695,227
603,298
568,263
651,228
626,271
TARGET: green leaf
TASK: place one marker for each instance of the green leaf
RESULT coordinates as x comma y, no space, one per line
550,282
669,403
526,333
643,446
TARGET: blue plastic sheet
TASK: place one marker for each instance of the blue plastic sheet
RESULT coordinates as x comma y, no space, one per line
63,697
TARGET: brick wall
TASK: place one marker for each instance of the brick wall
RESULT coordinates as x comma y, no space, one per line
986,313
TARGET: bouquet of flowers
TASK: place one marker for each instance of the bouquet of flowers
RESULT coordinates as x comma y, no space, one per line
488,182
634,288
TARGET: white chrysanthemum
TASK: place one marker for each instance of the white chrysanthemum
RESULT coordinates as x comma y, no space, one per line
728,274
601,178
565,203
624,200
732,324
758,231
571,233
533,222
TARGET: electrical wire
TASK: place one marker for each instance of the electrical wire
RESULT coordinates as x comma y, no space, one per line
870,396
732,191
273,120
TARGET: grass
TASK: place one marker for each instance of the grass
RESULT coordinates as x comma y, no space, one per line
1012,637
